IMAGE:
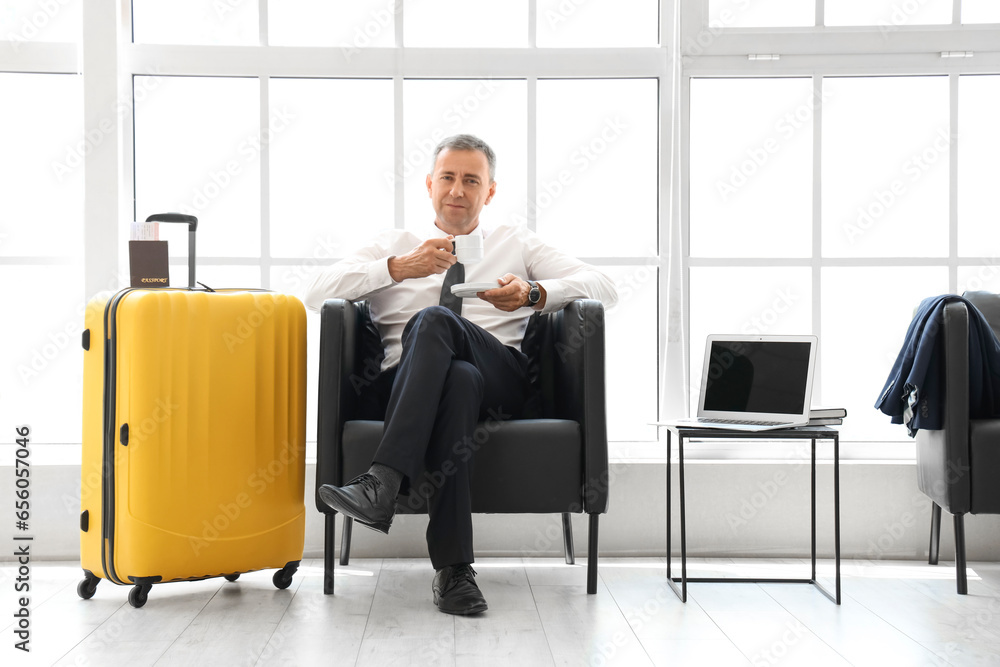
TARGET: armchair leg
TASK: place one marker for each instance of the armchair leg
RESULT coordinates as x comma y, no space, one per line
568,550
345,541
963,582
932,558
592,555
328,553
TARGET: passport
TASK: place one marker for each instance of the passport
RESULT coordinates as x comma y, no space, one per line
148,262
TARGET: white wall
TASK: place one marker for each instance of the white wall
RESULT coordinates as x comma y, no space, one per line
734,509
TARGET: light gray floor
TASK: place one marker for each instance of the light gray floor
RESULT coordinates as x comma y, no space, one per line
893,613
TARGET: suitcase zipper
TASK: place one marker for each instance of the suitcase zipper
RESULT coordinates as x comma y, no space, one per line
110,439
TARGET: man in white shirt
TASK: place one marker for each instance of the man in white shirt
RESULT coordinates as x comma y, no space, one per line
448,361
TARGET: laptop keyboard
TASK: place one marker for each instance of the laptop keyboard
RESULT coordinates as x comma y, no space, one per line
741,421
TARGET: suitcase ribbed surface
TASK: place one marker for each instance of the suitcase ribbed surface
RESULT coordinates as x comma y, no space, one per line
211,387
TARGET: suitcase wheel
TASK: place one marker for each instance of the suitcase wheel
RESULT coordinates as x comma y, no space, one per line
86,588
283,578
138,595
232,577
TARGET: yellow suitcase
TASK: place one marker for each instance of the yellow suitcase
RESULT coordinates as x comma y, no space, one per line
193,437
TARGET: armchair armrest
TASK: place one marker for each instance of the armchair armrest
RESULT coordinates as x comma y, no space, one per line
579,390
943,456
338,332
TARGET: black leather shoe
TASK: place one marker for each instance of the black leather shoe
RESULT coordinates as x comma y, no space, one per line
364,499
456,592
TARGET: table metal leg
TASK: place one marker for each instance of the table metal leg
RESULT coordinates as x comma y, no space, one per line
669,502
681,591
812,509
836,511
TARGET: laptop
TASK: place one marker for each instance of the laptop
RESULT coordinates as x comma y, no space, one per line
755,383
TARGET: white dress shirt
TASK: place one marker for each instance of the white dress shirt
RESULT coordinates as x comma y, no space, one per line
507,248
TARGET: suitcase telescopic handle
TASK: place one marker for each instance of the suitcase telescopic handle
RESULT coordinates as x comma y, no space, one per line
192,223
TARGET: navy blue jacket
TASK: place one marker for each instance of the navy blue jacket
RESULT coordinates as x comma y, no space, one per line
914,392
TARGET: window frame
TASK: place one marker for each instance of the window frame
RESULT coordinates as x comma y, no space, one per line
820,52
400,63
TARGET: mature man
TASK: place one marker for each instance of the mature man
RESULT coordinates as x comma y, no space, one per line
447,362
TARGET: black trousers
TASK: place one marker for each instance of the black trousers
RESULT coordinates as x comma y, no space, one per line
452,374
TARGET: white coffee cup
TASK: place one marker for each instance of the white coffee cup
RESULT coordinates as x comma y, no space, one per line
468,248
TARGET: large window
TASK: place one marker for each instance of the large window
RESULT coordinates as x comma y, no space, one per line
800,166
831,194
291,158
43,147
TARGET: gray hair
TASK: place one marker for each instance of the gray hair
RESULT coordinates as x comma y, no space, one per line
467,142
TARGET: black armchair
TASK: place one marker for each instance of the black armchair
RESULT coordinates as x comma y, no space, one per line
554,462
958,464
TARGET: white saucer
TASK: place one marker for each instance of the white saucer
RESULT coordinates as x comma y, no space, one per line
469,290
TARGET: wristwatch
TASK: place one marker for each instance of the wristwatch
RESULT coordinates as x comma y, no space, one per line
535,294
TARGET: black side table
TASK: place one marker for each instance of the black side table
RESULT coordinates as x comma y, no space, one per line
811,433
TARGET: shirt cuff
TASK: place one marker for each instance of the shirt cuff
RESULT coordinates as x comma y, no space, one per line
555,295
379,278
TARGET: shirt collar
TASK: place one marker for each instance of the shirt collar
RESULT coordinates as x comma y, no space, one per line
433,231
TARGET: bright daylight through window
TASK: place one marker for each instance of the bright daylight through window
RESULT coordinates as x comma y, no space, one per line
830,193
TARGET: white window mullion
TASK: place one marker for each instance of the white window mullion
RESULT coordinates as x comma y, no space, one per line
532,24
262,18
399,159
100,92
685,208
531,138
532,153
265,181
953,148
817,223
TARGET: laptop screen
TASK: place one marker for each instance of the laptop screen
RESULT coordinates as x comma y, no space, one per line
759,376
